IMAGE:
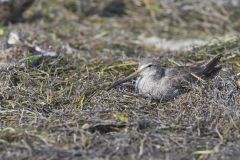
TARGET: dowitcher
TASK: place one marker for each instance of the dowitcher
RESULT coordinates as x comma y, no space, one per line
160,83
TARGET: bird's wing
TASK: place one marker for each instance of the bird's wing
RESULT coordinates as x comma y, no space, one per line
192,73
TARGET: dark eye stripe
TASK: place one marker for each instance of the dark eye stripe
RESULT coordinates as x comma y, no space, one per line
150,65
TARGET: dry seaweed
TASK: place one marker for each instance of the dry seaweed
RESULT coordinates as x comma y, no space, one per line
57,108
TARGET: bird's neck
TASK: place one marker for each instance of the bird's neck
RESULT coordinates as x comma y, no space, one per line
159,73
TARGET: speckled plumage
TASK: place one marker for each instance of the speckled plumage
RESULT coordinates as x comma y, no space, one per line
11,10
161,83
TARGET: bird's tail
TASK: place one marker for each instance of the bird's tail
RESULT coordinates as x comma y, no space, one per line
210,69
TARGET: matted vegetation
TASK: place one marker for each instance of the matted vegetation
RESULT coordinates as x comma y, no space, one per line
57,108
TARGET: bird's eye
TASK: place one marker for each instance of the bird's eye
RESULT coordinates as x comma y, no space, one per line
150,65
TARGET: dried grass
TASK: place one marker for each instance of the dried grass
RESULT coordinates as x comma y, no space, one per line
57,109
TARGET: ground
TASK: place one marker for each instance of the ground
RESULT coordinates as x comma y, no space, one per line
57,108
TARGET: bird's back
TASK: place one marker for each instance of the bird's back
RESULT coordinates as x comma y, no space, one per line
205,71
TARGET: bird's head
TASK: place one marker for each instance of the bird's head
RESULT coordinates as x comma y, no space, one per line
148,67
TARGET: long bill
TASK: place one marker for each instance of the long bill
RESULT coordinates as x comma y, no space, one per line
120,81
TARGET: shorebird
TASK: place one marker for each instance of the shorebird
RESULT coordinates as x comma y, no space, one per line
11,10
159,83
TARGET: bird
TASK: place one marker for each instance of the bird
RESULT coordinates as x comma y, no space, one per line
11,10
166,83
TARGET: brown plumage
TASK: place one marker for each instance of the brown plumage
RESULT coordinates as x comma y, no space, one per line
161,83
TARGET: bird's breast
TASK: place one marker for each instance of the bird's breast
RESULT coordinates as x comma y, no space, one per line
161,88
